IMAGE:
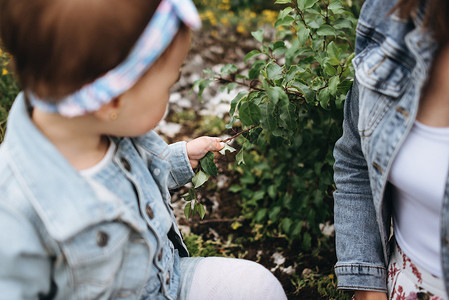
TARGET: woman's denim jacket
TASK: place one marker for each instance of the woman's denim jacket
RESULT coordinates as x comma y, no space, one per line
392,62
64,238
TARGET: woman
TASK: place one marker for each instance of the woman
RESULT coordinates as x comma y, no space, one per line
392,161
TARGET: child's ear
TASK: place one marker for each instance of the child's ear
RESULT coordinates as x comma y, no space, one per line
109,111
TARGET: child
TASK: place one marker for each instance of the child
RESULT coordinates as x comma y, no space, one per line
84,200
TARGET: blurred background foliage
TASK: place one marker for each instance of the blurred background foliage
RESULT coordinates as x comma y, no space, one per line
8,89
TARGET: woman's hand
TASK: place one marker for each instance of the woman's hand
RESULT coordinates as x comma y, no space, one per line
197,148
368,295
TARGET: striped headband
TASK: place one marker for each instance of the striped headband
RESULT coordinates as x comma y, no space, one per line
154,40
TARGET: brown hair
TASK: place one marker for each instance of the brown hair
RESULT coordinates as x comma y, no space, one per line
436,17
59,45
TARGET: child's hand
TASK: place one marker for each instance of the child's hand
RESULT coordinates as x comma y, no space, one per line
198,148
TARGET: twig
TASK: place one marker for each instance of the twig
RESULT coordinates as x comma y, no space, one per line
302,18
240,133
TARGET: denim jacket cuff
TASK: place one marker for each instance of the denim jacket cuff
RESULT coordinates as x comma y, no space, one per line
361,277
181,170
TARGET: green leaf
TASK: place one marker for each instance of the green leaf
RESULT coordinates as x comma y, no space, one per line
190,195
326,30
239,158
288,116
274,71
286,11
236,100
202,84
283,2
251,55
249,114
261,214
235,189
333,51
272,191
304,4
274,213
201,210
286,21
296,230
308,93
254,72
323,97
208,165
286,224
199,179
336,7
275,94
306,241
227,148
343,24
303,35
333,85
278,48
227,69
258,35
267,116
329,69
188,210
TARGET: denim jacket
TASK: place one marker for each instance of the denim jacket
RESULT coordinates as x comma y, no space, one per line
392,62
63,237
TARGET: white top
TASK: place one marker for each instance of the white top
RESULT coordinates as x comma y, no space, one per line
90,172
419,174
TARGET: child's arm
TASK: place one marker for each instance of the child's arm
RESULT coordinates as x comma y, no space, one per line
198,148
25,267
184,157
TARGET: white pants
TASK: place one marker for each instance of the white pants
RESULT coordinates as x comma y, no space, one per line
221,278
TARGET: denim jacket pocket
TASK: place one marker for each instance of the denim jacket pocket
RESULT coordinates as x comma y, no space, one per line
383,76
96,257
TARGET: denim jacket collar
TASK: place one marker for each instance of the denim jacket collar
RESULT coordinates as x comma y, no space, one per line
40,167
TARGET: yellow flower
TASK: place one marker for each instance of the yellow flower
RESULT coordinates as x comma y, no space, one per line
224,6
241,29
5,72
224,21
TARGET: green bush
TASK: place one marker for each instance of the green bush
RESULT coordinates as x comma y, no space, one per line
291,114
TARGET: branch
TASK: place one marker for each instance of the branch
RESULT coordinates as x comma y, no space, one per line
240,133
302,18
252,86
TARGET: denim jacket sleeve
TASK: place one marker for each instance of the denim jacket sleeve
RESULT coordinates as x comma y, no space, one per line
181,170
360,264
25,266
175,155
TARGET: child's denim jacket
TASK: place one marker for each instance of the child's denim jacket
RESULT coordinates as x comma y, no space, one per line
65,238
392,62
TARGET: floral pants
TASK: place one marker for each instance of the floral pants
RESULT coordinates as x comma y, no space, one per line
406,281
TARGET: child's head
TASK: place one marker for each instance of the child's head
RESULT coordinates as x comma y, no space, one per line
61,45
74,56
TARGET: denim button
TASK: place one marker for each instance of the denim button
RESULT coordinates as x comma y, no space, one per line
149,211
157,171
159,257
102,238
167,281
125,164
